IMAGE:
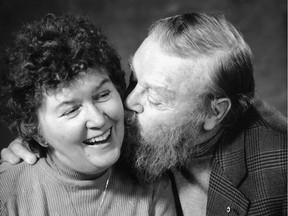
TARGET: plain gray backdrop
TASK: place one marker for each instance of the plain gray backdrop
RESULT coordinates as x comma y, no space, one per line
262,22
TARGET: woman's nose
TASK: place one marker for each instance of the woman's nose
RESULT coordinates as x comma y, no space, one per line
96,118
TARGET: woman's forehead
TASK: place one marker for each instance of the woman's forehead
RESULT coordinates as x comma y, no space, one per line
92,78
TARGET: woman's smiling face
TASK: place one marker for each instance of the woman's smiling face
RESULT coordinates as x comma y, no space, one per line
83,123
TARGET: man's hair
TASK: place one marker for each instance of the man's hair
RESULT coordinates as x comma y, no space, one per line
211,35
45,54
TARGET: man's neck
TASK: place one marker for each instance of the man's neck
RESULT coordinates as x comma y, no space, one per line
192,184
206,143
193,180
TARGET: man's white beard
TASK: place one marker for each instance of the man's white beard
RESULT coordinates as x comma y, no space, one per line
155,151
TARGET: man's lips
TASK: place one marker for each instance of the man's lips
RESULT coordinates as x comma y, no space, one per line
98,139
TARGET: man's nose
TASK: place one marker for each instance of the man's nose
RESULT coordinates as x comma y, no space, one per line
133,102
96,118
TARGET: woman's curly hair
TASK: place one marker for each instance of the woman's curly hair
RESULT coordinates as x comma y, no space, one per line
44,54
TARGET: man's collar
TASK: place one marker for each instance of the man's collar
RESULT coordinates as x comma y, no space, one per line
207,147
230,155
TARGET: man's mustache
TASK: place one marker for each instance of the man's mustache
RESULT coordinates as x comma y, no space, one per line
130,118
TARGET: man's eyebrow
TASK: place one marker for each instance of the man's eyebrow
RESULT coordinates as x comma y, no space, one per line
73,100
164,92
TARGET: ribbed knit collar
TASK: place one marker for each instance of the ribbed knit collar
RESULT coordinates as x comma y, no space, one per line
68,175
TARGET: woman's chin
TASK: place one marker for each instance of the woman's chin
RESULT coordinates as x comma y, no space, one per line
105,161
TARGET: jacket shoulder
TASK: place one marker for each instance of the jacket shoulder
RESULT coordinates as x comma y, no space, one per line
270,117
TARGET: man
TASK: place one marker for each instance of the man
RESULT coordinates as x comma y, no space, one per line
194,112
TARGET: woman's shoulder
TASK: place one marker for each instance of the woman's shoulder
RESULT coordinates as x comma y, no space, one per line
8,170
15,177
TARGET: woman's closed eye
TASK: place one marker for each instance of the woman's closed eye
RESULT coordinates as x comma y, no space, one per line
71,111
102,96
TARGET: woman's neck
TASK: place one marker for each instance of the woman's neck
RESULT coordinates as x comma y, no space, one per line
69,172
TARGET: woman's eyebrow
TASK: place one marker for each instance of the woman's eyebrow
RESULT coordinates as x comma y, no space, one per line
104,81
72,100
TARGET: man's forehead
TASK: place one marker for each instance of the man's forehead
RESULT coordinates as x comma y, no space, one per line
164,92
154,68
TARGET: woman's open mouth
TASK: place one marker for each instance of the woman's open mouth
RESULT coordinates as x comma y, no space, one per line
97,140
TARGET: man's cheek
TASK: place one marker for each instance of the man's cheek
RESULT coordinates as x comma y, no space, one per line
142,124
148,129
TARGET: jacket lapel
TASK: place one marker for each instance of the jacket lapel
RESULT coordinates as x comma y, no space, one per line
228,171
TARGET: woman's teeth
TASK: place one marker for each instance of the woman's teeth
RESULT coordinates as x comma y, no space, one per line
98,139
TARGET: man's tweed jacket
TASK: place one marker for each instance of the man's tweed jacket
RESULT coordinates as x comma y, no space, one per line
249,172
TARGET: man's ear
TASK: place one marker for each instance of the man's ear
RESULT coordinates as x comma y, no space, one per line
220,108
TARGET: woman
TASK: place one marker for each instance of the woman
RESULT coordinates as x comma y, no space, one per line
62,95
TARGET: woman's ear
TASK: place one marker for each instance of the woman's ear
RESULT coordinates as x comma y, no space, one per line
41,141
220,108
40,138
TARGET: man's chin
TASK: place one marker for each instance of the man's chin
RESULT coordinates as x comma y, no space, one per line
150,160
151,153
